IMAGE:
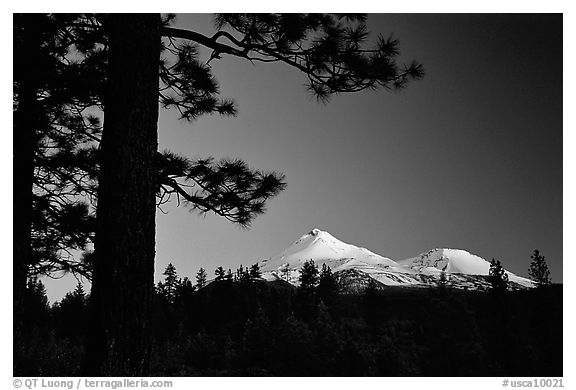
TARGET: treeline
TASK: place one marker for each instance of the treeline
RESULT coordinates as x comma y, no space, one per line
236,323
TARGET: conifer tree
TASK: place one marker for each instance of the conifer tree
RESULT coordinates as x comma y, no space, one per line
79,293
54,155
36,292
255,272
308,276
498,277
538,271
171,285
69,95
201,278
71,311
242,274
306,303
185,289
37,308
327,285
220,274
123,277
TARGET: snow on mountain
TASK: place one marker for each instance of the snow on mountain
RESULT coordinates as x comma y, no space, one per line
323,248
465,270
455,261
448,260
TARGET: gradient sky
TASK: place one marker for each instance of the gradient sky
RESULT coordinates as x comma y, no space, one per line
470,157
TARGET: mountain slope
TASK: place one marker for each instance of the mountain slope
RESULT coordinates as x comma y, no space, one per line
324,248
455,261
464,269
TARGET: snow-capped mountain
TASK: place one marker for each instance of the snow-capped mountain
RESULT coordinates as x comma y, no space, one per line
322,247
455,261
354,264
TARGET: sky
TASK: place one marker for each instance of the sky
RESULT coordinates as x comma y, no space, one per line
470,157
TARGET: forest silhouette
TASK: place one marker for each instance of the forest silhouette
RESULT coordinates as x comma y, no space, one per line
245,326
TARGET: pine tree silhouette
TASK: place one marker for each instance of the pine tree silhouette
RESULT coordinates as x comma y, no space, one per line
185,289
242,274
54,154
71,311
171,285
201,278
498,277
255,273
538,271
327,285
309,276
220,274
79,293
36,295
37,308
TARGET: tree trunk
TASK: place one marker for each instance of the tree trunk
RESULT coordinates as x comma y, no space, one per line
26,122
24,135
123,279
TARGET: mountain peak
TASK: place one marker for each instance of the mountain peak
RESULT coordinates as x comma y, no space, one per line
323,248
315,232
